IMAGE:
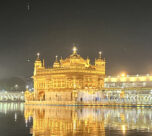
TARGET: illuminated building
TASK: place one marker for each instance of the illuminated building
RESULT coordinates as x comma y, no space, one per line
128,81
60,82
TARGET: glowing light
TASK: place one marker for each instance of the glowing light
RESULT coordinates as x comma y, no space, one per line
132,78
106,79
123,78
74,50
123,74
144,83
142,78
114,79
27,86
150,78
123,128
15,117
16,86
56,57
74,86
38,55
100,53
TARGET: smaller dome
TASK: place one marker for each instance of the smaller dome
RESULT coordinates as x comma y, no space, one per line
56,63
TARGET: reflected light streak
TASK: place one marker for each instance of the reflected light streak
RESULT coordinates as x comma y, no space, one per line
123,128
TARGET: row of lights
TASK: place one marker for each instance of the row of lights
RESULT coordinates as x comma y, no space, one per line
125,75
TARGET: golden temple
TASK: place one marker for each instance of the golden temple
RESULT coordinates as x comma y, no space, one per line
60,82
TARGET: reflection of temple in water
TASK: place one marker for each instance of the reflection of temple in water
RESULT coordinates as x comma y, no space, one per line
68,121
64,121
7,107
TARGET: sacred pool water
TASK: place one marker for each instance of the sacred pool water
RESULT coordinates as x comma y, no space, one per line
17,119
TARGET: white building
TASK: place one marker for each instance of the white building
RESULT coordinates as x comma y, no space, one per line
128,81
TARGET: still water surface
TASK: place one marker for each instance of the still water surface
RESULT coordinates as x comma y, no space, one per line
19,120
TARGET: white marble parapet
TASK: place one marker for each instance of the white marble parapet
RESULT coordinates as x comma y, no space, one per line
73,103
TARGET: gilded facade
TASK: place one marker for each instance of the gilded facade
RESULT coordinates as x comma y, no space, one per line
59,82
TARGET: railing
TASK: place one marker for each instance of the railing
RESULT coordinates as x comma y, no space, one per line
104,102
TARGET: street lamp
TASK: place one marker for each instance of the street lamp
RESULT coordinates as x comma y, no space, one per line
16,86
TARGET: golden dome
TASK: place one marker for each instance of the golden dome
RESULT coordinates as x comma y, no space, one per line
74,60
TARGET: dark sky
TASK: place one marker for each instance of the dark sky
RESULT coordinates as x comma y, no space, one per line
121,29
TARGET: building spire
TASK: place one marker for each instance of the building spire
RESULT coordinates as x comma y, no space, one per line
38,56
56,63
74,50
56,58
100,53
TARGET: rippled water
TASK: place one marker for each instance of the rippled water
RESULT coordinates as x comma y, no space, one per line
19,120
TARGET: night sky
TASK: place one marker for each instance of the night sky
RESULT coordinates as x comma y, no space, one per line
122,30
